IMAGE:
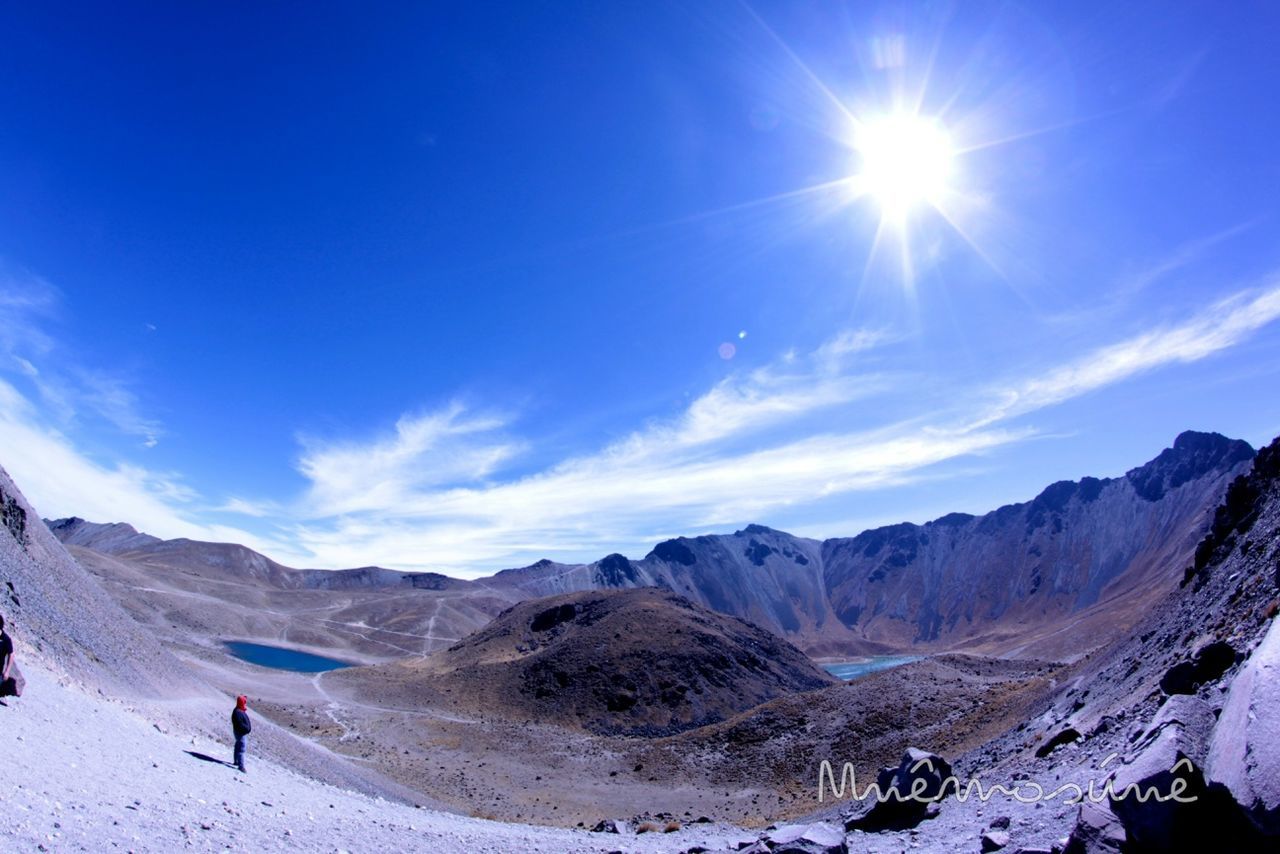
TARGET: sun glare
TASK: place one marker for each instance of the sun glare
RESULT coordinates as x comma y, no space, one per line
905,162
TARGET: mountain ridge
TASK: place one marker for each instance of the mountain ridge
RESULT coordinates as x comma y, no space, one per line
1001,579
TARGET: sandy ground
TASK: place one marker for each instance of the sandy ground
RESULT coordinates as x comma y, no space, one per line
83,773
757,768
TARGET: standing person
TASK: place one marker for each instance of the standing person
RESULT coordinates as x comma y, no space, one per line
241,727
11,681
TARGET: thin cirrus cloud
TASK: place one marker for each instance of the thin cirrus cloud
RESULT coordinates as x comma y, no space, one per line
595,503
69,393
61,480
48,397
1223,325
702,469
436,491
424,451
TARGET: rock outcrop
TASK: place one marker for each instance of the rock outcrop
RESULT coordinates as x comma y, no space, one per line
1198,685
59,615
906,794
1244,755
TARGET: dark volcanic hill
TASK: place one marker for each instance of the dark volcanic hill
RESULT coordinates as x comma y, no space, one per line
626,662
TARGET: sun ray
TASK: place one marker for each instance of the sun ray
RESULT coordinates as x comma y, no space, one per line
954,221
786,195
800,63
1041,131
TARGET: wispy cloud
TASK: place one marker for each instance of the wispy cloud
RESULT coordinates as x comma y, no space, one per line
45,401
439,489
1182,256
1223,325
717,464
112,399
61,480
423,452
69,390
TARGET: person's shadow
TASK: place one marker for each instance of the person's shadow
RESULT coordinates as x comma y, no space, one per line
204,757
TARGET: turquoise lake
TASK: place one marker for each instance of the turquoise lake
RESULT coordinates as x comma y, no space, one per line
850,670
283,659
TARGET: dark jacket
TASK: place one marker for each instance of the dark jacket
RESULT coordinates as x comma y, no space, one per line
6,650
240,723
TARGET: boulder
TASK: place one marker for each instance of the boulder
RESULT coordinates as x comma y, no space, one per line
1097,831
818,838
1066,735
1244,752
994,840
1160,795
1191,716
904,795
1206,665
1147,793
610,825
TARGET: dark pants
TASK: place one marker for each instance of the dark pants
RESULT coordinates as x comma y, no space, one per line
239,755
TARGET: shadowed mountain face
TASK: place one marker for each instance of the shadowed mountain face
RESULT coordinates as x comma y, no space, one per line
1050,577
1062,572
1121,541
620,662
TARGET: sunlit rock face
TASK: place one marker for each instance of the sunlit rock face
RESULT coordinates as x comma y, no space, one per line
1065,571
1004,574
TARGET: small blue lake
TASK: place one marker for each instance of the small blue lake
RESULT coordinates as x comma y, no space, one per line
850,670
283,659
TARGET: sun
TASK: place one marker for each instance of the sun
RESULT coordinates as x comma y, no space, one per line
905,162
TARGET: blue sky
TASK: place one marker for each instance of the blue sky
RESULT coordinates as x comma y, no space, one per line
460,286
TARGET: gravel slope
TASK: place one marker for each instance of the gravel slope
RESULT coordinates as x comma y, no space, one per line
83,773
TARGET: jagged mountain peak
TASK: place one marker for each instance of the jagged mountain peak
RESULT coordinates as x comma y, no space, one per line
616,570
758,530
1193,455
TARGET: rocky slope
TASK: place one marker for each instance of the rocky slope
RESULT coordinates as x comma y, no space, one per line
1186,704
1051,577
83,773
58,615
117,744
633,662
